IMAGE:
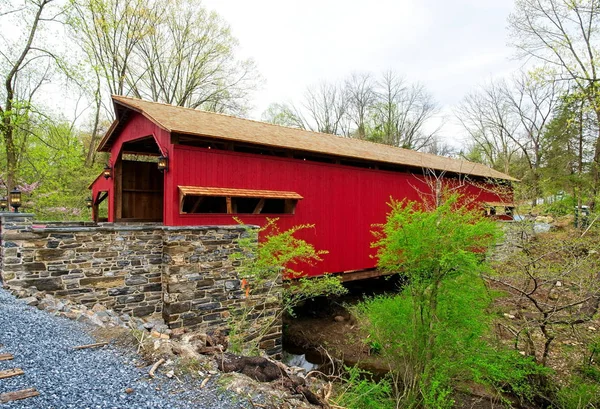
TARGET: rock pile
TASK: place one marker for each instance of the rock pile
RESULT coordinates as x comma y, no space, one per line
97,315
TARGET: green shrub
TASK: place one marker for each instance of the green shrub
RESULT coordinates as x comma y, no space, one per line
561,207
359,391
461,324
438,320
578,394
461,351
262,264
507,371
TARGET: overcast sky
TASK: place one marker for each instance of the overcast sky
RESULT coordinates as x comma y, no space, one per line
449,45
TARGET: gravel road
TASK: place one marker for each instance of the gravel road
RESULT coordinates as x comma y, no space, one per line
42,345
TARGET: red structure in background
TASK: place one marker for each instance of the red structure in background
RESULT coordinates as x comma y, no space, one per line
220,167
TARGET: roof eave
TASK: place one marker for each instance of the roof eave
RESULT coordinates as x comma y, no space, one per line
501,177
103,145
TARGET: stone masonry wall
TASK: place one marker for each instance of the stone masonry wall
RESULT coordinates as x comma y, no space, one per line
202,289
119,267
184,272
514,234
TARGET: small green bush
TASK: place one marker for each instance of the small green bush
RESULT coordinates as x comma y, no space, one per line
262,263
359,391
428,331
561,207
578,394
507,371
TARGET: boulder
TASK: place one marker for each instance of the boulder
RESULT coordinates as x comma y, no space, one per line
32,301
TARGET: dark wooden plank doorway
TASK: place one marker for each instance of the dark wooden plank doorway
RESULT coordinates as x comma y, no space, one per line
140,191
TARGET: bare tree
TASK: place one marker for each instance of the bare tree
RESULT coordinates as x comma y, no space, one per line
564,36
533,103
360,91
389,111
327,105
401,111
509,120
188,59
487,116
441,148
552,287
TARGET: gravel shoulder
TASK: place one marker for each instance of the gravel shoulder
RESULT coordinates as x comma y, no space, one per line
42,345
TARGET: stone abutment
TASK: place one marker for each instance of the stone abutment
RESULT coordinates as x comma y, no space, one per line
185,273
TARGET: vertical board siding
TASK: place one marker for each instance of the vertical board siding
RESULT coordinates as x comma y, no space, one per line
137,127
342,202
142,196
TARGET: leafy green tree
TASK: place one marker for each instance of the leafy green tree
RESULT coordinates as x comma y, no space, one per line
27,62
54,177
569,138
563,35
267,256
439,312
284,115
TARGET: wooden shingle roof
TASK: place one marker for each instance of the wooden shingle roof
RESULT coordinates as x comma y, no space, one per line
228,128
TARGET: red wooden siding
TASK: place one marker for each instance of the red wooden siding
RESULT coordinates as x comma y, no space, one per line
102,185
137,127
341,201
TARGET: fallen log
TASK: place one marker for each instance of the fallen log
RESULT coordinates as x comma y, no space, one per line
204,382
155,367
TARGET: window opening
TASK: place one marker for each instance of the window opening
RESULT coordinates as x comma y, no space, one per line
207,200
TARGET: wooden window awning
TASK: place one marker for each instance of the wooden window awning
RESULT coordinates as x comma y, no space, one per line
498,204
198,199
227,192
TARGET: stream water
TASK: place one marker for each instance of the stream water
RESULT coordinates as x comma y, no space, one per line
303,359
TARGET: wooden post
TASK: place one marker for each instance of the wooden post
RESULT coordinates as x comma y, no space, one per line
259,206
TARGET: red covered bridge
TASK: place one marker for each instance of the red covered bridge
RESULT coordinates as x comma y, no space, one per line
221,166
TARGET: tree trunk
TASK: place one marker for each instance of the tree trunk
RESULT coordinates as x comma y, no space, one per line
535,182
91,154
9,143
596,167
8,114
596,160
433,302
